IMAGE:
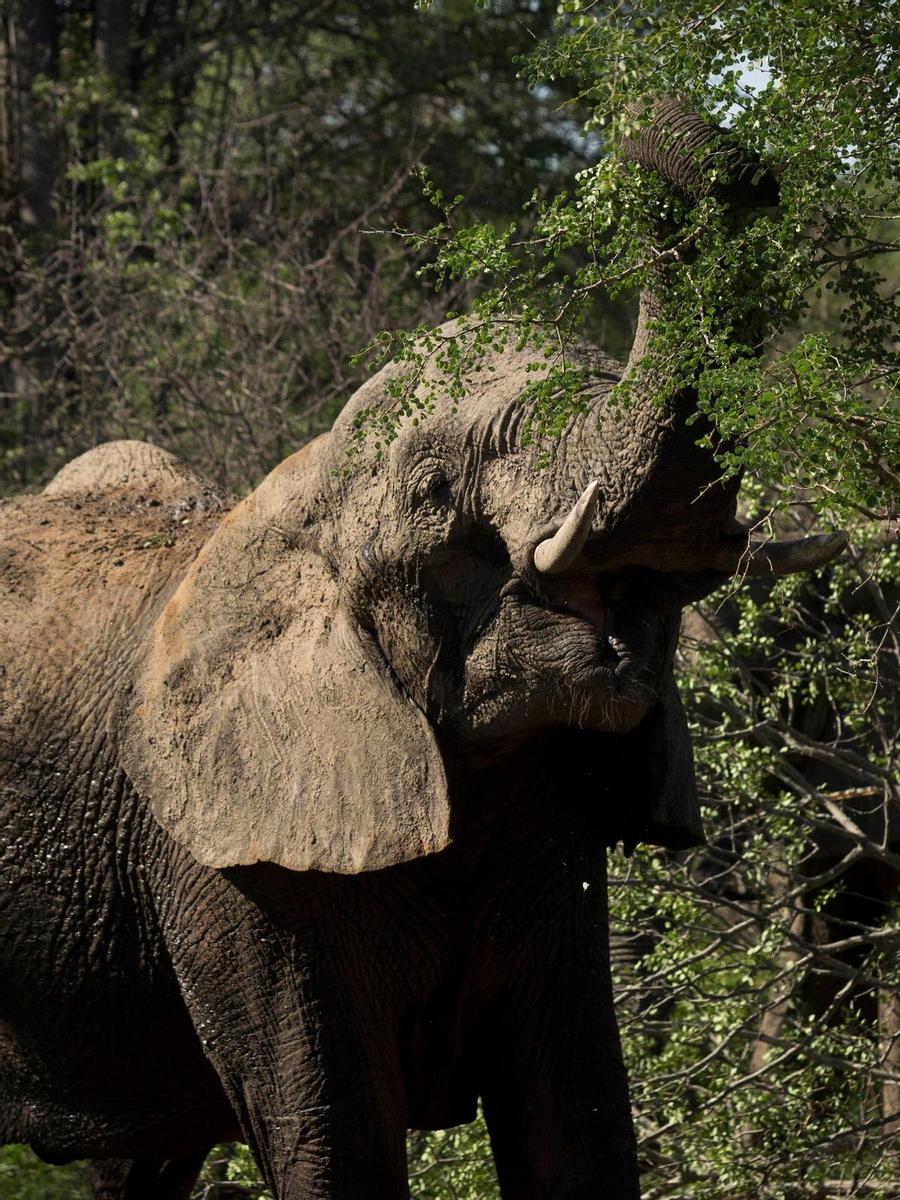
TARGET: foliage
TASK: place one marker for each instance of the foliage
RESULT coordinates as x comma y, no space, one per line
24,1177
209,262
204,274
808,406
757,975
455,1164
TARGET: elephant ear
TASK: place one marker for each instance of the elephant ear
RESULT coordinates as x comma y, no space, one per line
266,724
657,775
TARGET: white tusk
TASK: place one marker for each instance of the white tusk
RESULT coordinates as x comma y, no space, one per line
557,553
779,558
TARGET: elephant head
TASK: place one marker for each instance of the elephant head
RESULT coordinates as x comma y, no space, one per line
345,633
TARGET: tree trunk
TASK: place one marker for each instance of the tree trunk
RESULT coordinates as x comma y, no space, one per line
111,26
772,1019
36,32
112,23
889,1026
7,109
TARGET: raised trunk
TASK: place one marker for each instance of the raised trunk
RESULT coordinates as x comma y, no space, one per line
682,501
685,150
682,146
686,505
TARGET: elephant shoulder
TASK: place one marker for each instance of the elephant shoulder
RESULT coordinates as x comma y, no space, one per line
124,507
129,467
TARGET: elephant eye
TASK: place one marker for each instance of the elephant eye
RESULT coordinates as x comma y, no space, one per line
432,487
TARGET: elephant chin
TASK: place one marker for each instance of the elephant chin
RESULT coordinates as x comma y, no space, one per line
580,665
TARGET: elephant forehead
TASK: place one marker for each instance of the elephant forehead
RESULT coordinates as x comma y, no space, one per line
498,391
526,489
495,420
521,480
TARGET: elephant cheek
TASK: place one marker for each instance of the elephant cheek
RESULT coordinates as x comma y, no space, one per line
408,645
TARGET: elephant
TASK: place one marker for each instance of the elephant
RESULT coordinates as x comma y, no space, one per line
306,798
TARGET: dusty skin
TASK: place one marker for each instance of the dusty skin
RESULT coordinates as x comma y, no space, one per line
305,800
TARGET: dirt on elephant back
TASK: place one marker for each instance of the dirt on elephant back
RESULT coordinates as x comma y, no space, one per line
114,531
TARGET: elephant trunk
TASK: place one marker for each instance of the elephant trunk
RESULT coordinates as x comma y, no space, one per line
680,496
683,496
696,159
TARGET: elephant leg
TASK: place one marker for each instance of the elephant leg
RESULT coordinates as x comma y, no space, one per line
554,1087
303,1040
145,1178
322,1122
338,1149
556,1104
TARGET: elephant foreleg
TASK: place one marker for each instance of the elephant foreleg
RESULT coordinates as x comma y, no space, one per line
145,1178
304,1047
554,1086
557,1108
336,1150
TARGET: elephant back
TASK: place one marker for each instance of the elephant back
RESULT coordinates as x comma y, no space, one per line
84,569
132,469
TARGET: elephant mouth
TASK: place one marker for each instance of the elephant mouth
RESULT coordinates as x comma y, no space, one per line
621,607
585,602
586,605
587,648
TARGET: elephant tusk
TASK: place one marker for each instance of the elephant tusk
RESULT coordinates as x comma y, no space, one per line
779,558
557,553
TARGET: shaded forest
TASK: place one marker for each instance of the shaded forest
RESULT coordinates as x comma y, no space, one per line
202,224
191,193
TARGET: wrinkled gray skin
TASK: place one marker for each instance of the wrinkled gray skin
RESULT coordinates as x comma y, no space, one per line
305,803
